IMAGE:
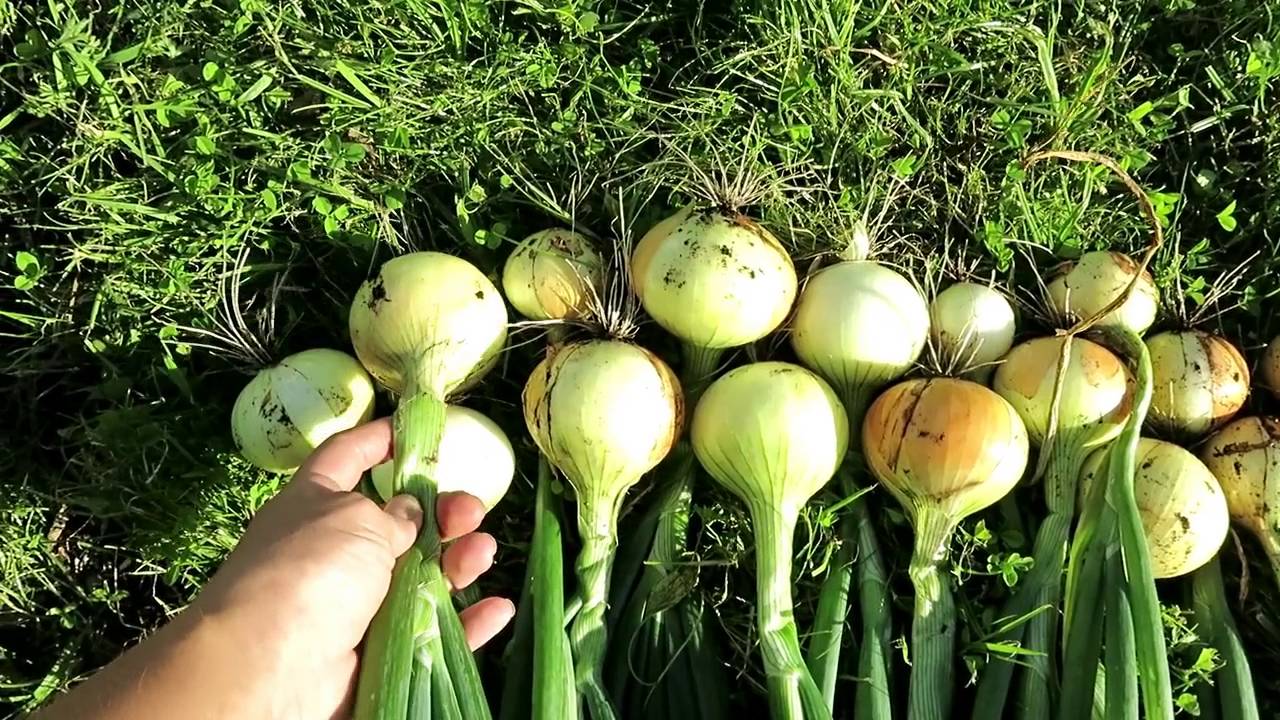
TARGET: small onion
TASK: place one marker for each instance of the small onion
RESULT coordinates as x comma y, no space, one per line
860,325
428,322
713,279
1271,368
1199,381
1245,457
1080,289
971,327
553,275
1095,394
288,409
1184,512
475,457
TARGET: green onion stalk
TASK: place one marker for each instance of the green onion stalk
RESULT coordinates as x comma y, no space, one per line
945,449
553,276
1236,699
715,279
1072,395
860,325
603,413
427,326
774,434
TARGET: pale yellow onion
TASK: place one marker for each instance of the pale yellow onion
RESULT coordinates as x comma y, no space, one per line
971,327
1183,510
946,444
1079,289
713,279
860,325
428,322
553,275
475,457
1270,370
1199,382
288,409
1245,457
1095,395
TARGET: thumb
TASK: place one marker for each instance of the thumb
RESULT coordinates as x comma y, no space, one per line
406,517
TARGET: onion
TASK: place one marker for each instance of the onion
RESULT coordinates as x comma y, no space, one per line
1245,457
715,280
773,434
1094,398
288,409
945,449
553,275
427,325
1199,382
1271,368
428,322
475,457
860,325
971,327
1184,513
1080,289
604,413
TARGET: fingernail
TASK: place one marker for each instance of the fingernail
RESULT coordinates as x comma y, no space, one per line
405,507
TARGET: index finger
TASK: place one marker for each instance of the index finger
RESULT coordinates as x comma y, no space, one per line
340,461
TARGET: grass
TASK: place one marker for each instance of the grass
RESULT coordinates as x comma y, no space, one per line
145,145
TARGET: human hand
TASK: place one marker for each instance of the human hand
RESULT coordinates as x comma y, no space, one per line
305,581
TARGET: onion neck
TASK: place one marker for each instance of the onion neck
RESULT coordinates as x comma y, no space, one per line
933,628
700,365
856,399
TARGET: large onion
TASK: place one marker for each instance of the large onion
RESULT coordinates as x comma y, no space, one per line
1082,288
1245,457
773,434
1270,369
288,409
1183,510
553,275
945,449
1199,381
475,457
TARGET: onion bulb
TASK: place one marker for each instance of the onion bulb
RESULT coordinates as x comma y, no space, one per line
713,279
553,275
427,326
945,449
1245,457
859,325
1095,393
1271,368
475,457
288,409
1183,511
1199,381
1080,289
773,434
971,327
604,413
428,322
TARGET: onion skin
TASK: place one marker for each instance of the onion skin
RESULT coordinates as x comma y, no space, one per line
1095,396
287,410
428,322
713,279
1200,382
475,457
1245,457
1183,509
1080,289
945,443
859,324
971,326
553,275
1270,369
